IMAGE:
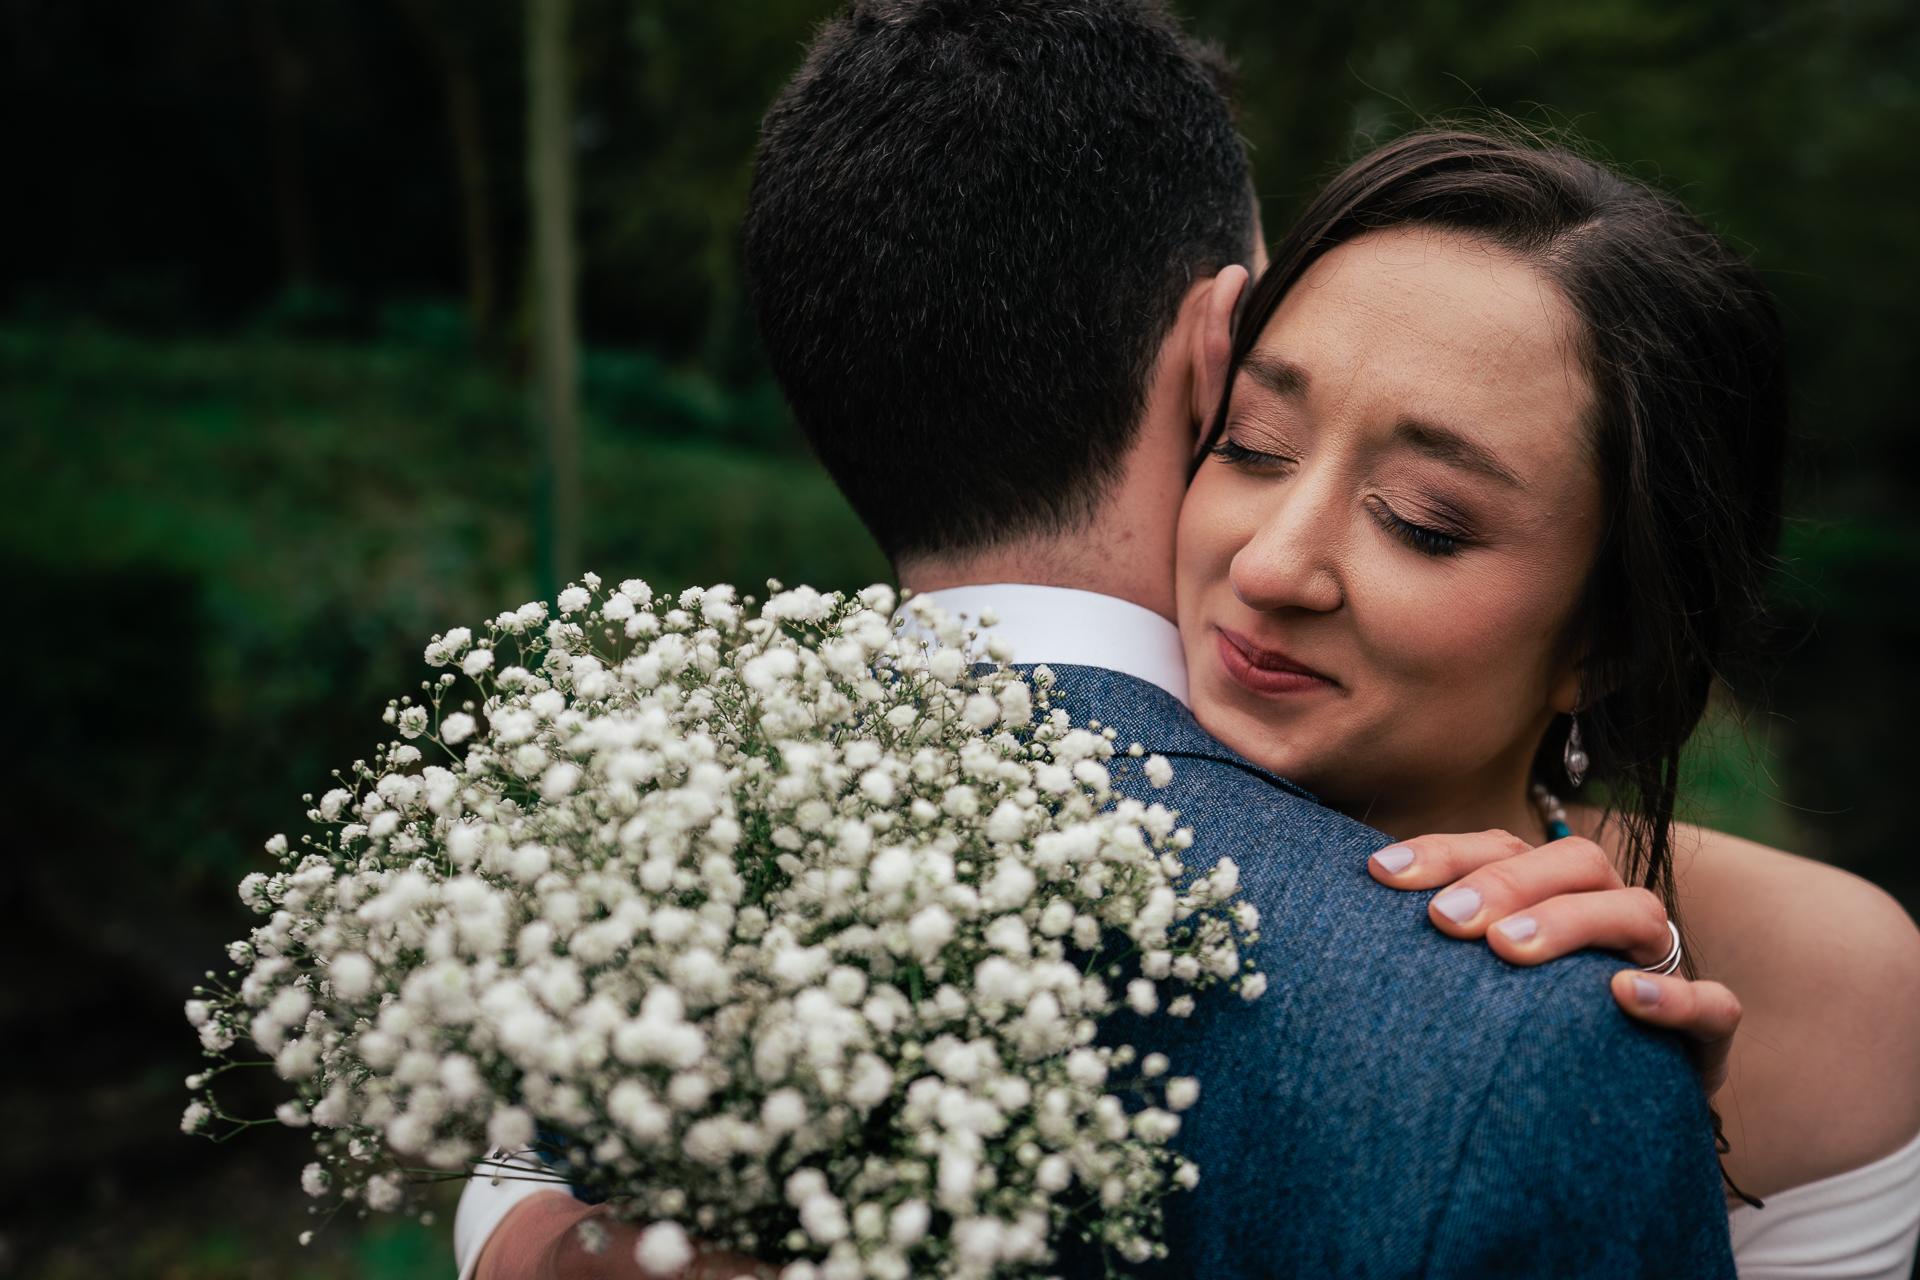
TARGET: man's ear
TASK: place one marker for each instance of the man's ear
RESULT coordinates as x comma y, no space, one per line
1213,347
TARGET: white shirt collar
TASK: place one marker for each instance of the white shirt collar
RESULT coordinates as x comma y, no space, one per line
1064,627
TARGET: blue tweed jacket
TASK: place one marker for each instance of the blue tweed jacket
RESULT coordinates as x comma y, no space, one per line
1400,1103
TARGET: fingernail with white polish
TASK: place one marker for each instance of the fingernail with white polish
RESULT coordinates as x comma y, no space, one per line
1646,992
1518,928
1395,858
1458,905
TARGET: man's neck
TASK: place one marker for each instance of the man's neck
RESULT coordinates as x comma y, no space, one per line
1045,565
1103,559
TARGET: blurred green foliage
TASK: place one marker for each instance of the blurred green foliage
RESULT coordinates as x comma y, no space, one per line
240,486
332,505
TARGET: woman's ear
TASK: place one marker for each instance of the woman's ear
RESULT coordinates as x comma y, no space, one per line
1566,697
1583,683
1213,348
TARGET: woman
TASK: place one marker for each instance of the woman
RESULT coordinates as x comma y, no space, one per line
1490,501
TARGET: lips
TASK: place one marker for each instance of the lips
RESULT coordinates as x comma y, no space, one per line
1266,671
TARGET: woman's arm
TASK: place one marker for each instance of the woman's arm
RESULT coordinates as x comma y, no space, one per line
541,1239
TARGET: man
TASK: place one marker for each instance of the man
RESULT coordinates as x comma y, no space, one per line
995,247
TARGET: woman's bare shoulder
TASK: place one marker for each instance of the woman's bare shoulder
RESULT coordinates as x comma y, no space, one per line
1827,967
1766,910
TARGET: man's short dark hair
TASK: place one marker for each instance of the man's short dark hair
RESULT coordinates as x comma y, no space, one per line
972,224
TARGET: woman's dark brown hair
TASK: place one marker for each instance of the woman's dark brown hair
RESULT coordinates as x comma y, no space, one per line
1688,431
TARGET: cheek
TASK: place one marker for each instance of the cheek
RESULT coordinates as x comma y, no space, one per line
1487,632
1215,522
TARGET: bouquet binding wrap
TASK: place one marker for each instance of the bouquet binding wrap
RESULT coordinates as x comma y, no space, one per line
789,932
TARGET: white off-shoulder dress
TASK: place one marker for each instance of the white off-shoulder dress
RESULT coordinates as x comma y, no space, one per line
1859,1225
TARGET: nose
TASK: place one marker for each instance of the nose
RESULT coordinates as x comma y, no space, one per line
1293,559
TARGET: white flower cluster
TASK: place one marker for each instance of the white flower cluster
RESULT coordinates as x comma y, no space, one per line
791,929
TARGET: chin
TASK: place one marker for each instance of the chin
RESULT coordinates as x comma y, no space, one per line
1259,730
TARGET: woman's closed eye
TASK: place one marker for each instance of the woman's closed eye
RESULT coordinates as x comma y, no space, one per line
1252,461
1425,539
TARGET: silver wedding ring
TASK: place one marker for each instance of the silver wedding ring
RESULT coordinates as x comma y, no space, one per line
1672,961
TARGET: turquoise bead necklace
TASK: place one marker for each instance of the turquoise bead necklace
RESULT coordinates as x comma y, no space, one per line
1554,812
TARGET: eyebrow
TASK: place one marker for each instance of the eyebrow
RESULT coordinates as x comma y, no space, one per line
1282,377
1449,446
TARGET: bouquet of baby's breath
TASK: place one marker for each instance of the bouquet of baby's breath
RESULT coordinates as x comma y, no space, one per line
789,931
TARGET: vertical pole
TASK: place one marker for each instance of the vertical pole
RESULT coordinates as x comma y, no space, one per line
556,342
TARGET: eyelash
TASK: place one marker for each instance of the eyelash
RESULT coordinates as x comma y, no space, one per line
1235,454
1427,541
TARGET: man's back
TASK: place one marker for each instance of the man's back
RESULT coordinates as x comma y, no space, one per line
1397,1103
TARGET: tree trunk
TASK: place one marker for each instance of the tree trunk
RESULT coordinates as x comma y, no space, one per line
556,343
285,81
466,132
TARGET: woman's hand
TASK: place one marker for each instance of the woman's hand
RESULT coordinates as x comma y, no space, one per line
1534,905
540,1239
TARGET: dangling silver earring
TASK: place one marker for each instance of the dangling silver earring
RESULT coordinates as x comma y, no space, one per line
1575,759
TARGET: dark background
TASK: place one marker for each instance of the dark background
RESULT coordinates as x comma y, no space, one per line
262,407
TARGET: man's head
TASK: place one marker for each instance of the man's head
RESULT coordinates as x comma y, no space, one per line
973,223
